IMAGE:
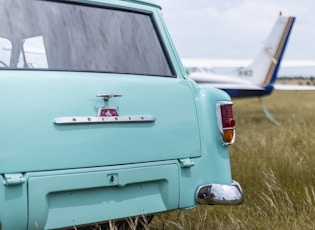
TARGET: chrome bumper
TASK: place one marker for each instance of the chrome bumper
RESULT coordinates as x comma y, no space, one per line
220,194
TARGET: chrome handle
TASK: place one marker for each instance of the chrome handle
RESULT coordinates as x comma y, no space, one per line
107,96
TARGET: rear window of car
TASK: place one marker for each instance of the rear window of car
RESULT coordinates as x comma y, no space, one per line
75,37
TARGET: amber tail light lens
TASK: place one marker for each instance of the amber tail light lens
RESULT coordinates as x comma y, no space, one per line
225,120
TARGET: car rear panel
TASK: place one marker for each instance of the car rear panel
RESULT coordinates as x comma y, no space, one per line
34,99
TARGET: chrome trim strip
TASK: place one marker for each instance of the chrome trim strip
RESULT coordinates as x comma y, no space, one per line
113,119
220,194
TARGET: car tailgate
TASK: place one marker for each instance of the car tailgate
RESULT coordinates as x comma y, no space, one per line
33,100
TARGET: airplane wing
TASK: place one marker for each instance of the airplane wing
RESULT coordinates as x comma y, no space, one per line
257,87
232,86
293,87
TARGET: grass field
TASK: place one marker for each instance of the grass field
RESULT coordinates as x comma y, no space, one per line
274,164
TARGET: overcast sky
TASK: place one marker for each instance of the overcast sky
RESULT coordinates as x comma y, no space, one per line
237,28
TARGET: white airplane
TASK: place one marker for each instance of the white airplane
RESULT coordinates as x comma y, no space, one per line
258,78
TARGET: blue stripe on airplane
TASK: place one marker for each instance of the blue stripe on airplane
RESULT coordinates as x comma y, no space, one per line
235,93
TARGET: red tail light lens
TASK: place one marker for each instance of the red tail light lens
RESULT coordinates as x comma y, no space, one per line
226,122
227,116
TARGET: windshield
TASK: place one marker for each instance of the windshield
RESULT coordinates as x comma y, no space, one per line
64,36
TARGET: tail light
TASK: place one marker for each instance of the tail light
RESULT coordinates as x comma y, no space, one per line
225,120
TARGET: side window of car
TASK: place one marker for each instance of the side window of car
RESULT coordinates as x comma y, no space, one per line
33,54
5,52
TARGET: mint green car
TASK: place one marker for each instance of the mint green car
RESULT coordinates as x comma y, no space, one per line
99,121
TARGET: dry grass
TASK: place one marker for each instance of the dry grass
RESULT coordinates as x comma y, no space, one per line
274,164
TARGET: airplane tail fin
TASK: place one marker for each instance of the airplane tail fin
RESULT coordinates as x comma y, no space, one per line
263,70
